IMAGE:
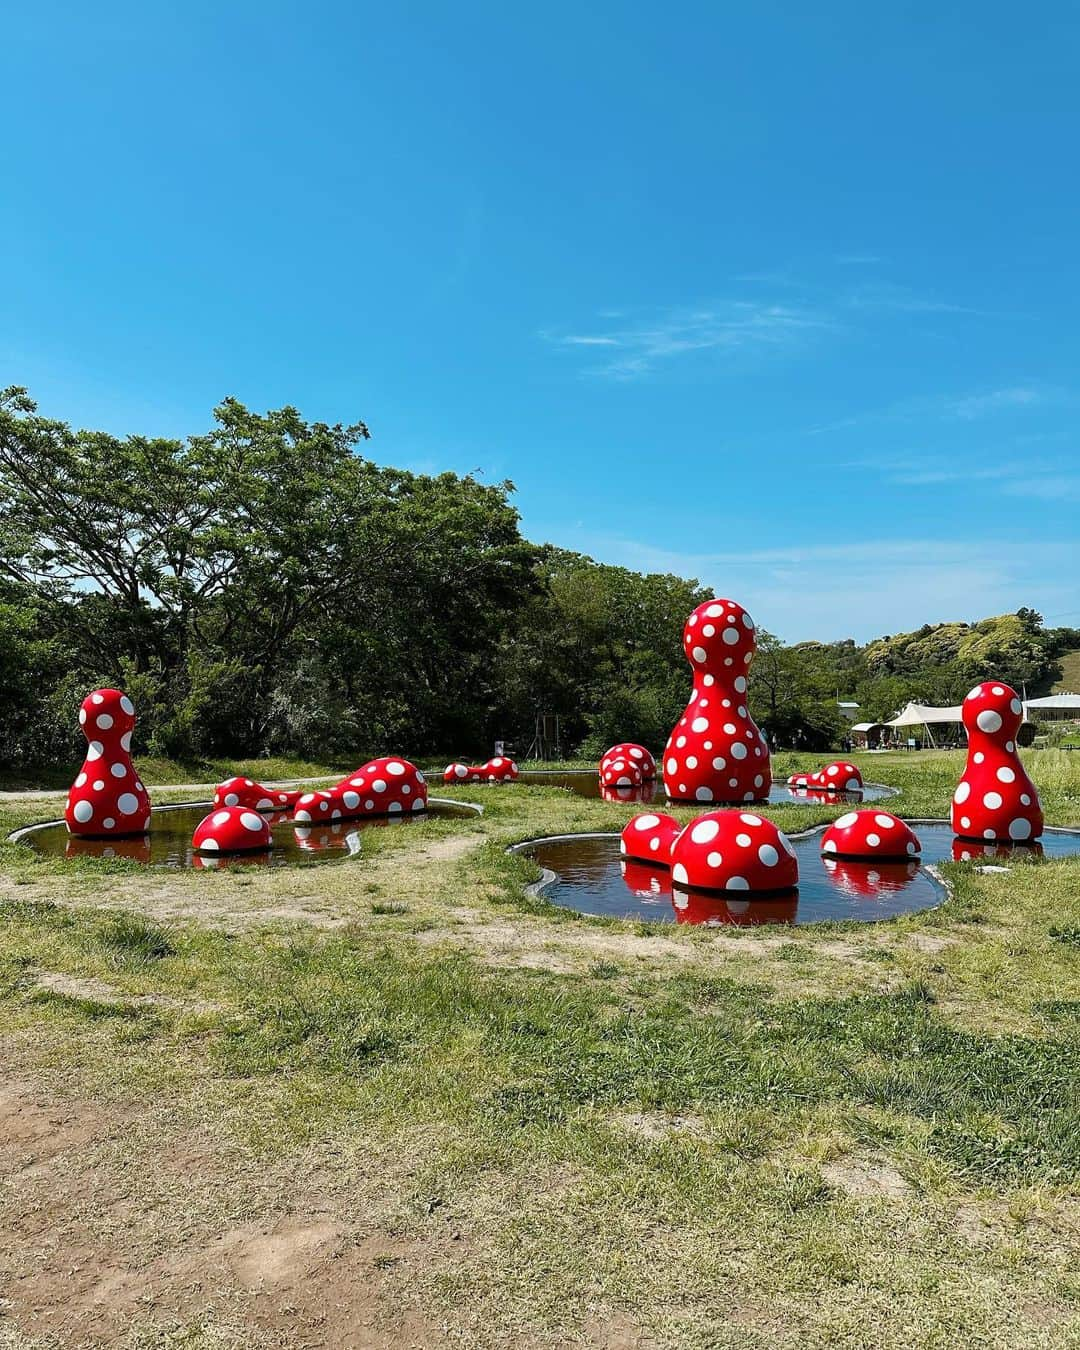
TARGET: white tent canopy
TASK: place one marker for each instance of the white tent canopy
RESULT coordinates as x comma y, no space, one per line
921,715
1056,703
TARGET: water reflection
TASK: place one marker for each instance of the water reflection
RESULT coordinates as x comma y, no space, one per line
135,847
644,792
968,850
644,881
707,907
870,879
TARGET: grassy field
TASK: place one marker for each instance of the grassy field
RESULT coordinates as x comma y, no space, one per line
394,1102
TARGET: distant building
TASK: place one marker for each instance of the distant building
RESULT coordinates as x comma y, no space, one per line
848,711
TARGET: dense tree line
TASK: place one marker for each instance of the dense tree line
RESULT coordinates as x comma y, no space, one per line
266,588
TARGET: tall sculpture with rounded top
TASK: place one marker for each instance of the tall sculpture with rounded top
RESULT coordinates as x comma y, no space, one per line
995,798
715,753
107,798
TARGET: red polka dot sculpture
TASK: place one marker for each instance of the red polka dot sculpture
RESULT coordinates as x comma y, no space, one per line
107,797
231,829
246,792
870,834
839,776
716,753
501,769
734,851
649,838
628,752
995,798
381,787
620,773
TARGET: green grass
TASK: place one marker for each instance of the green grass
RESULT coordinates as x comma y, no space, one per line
743,1138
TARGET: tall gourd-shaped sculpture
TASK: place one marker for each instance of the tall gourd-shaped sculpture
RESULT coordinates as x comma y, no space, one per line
107,798
716,753
995,799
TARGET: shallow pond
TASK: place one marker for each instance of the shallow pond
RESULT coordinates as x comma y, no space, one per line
586,783
169,842
593,878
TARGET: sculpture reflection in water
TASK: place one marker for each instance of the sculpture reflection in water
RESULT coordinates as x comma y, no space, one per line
870,879
971,850
641,792
136,847
713,908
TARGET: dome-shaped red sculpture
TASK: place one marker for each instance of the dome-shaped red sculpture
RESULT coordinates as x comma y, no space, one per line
620,773
382,787
649,837
733,851
231,829
632,753
107,797
246,792
838,776
995,798
870,834
716,753
500,769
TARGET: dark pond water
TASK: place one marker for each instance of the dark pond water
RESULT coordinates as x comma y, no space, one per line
169,842
593,878
586,783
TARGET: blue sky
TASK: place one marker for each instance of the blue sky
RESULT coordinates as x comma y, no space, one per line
777,295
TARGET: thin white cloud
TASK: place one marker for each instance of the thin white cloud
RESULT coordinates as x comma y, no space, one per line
998,400
731,326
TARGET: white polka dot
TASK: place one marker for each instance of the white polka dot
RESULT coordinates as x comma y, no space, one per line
965,822
738,751
714,611
740,684
768,855
646,822
209,843
351,799
699,654
680,741
1006,775
714,859
252,822
109,824
127,803
743,840
988,720
873,840
379,785
396,768
704,831
118,770
730,728
699,724
747,621
678,873
886,822
708,630
671,766
691,761
125,740
719,762
99,784
82,717
703,794
104,721
94,749
1016,706
127,705
843,822
220,818
748,819
80,780
992,800
962,793
1025,799
83,811
737,884
974,693
1019,828
731,636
